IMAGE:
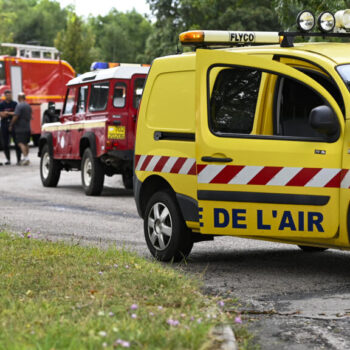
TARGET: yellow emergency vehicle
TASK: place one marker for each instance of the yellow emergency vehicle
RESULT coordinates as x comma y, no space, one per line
249,136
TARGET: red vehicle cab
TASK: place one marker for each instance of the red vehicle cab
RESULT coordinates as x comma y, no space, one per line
96,130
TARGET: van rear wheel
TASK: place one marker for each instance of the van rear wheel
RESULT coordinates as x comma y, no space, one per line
92,174
166,234
50,168
310,249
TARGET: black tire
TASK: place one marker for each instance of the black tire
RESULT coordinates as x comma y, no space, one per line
50,168
92,174
36,138
177,243
128,180
309,249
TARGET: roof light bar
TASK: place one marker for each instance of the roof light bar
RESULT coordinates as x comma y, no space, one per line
218,37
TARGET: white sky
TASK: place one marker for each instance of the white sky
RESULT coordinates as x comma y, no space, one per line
102,7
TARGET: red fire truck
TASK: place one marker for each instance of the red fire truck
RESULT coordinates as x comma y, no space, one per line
41,75
96,130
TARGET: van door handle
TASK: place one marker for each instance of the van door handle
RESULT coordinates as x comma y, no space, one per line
216,160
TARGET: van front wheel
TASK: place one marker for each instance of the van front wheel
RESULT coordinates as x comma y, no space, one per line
166,234
92,174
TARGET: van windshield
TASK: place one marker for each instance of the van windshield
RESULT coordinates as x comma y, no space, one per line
2,73
344,72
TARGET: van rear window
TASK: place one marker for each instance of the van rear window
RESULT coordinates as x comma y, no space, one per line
98,97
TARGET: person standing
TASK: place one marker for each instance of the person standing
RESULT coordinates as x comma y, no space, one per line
20,124
7,108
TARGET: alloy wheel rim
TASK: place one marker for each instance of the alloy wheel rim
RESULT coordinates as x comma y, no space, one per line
160,226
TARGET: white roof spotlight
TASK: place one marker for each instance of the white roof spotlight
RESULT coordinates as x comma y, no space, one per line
305,21
326,22
342,19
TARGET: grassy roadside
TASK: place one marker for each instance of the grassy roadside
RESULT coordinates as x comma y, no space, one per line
59,296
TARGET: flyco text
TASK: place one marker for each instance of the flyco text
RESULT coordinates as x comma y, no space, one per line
242,37
300,221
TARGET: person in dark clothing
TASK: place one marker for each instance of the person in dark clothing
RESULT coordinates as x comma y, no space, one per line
20,123
7,108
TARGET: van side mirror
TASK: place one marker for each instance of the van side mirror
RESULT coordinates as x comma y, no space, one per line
324,120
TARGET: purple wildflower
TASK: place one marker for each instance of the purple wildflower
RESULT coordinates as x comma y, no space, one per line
238,319
134,307
172,322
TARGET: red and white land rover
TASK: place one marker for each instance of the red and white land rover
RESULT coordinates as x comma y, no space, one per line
96,130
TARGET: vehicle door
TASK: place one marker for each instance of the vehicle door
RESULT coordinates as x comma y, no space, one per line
63,144
262,170
118,124
97,114
137,85
78,119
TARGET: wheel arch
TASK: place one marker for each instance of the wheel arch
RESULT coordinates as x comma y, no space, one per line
152,184
46,139
87,140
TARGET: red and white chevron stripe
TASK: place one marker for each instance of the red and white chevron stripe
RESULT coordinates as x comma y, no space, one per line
165,164
245,175
273,176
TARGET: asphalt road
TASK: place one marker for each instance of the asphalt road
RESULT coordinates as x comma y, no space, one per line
289,299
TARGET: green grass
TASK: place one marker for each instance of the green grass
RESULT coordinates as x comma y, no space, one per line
60,296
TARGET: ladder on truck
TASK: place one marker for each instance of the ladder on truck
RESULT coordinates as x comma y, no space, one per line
34,51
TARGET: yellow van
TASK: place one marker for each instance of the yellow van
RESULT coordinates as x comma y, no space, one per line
248,136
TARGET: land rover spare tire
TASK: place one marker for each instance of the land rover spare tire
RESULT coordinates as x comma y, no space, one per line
92,174
166,234
50,168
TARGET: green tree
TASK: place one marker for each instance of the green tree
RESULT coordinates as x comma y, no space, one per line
175,16
121,37
75,43
24,21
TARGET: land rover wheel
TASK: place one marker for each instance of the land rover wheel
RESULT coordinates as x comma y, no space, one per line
166,234
128,180
310,249
50,168
92,174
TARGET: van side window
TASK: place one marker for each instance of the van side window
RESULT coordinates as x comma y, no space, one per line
82,99
233,100
98,96
294,103
69,103
328,84
138,90
119,95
